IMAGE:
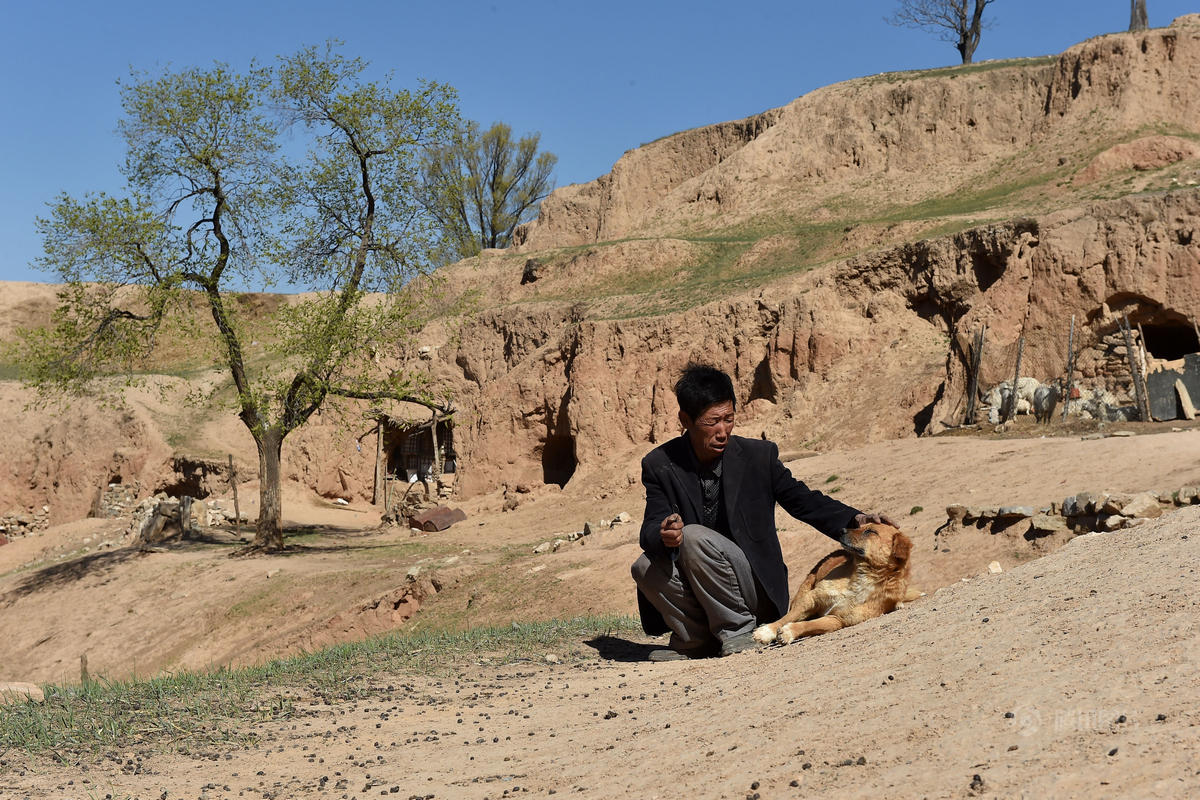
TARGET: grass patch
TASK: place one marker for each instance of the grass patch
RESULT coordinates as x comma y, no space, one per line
960,70
219,707
10,372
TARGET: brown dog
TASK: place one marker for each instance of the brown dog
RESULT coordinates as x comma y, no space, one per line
865,580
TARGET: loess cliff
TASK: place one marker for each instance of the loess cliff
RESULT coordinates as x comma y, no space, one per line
836,255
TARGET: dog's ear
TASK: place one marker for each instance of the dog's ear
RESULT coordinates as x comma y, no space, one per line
901,547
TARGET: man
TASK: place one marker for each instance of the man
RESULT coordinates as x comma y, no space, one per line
712,569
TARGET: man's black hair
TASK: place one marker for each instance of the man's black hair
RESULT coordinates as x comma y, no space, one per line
700,387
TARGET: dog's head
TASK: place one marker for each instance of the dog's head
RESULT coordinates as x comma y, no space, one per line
879,545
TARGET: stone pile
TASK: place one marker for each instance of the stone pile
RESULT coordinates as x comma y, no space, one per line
24,523
156,518
589,528
116,500
221,512
1085,512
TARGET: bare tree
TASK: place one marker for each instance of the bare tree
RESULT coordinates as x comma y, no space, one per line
955,21
1138,21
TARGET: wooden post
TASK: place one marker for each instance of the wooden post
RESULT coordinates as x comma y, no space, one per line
437,458
377,491
185,517
1066,399
1012,400
973,383
1139,386
237,509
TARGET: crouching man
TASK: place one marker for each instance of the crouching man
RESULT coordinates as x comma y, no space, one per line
712,569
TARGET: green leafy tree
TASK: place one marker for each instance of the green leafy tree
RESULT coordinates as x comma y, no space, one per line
959,22
215,206
483,184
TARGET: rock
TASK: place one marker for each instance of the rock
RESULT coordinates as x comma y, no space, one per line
956,512
1133,522
1114,503
1142,505
1070,507
1165,498
413,572
557,543
973,513
1111,522
623,518
552,659
989,512
995,568
18,692
589,528
1085,503
1187,495
544,547
271,573
605,523
1015,512
1121,433
1046,523
510,503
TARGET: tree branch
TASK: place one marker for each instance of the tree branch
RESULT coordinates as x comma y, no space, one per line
446,407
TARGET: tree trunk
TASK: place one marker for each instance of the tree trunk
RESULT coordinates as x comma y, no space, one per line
1138,21
268,534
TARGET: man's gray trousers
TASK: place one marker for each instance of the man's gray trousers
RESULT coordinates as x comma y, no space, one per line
706,594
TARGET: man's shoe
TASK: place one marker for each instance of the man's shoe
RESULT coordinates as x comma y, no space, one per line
738,643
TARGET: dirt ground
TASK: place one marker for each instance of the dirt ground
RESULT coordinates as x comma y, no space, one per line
1103,629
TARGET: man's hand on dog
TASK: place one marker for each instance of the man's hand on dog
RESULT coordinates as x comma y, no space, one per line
866,519
671,530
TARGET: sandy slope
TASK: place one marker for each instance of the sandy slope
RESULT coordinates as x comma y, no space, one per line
1093,650
191,606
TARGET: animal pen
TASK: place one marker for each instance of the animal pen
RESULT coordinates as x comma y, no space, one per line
408,454
1116,369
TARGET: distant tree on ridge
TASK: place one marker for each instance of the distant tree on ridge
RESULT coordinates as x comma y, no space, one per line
482,185
955,21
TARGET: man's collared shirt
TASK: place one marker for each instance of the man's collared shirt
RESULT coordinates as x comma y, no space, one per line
713,506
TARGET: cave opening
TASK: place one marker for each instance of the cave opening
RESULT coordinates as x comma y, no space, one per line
558,459
1170,341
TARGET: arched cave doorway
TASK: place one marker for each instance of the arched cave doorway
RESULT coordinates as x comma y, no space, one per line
558,459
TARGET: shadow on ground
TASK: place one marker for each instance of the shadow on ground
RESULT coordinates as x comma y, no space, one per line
68,572
614,648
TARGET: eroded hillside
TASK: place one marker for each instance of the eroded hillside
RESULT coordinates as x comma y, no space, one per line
836,254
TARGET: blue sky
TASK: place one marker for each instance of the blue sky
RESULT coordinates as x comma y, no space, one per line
596,79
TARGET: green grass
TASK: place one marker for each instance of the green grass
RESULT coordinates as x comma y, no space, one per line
220,706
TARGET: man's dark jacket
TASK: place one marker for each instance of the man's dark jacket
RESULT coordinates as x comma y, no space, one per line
753,480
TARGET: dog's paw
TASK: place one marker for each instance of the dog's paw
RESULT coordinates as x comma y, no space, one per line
764,634
786,635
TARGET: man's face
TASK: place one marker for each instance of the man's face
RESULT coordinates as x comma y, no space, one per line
709,432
